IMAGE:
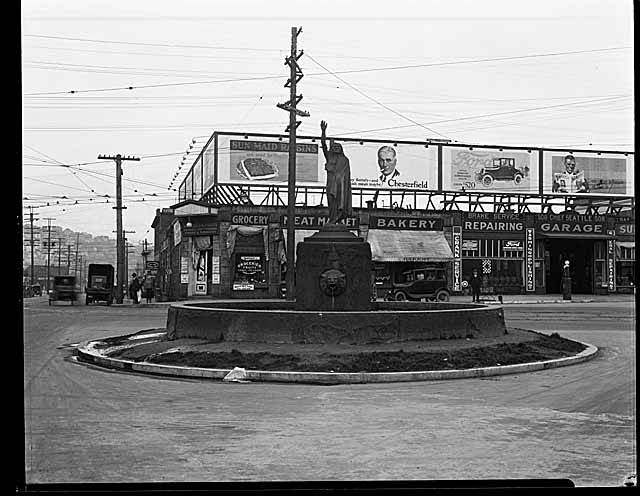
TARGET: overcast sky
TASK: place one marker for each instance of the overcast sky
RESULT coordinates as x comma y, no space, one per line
545,73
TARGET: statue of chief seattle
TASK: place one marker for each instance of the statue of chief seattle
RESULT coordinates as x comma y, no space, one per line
338,178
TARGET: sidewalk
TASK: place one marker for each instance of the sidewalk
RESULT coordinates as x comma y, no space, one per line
489,300
548,298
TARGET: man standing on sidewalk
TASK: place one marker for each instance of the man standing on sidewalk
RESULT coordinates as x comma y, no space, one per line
476,284
134,287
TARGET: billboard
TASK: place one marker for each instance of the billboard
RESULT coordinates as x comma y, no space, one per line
588,173
265,160
489,169
392,166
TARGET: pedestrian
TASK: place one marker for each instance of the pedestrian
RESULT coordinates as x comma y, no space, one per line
134,287
147,286
476,284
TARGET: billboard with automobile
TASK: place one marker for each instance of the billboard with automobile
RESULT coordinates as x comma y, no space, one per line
489,169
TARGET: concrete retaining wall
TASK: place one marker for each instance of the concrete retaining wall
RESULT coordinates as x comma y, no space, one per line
276,322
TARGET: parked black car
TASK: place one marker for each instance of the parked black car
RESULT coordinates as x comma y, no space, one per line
428,282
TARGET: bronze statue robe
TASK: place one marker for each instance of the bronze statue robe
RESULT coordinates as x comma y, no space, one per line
338,182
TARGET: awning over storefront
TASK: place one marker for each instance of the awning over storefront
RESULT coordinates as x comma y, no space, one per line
409,246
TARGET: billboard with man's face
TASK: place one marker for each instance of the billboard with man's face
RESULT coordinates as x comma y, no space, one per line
588,173
489,169
265,160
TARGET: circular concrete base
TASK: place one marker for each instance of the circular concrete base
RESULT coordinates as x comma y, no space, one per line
280,322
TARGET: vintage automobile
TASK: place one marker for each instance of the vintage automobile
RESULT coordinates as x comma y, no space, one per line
99,284
503,169
429,283
64,288
36,290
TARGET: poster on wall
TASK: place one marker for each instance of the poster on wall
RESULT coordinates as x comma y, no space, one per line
184,270
489,169
215,269
582,173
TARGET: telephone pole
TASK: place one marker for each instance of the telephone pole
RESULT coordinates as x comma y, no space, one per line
59,252
32,243
290,106
125,259
75,268
49,219
121,276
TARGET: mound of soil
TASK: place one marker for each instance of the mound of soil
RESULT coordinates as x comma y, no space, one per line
544,347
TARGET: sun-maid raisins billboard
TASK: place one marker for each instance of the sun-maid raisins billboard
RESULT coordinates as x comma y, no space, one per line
265,160
588,173
489,169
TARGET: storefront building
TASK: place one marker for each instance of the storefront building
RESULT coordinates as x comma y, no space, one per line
239,251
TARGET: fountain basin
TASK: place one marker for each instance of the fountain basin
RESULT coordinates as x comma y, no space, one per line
279,322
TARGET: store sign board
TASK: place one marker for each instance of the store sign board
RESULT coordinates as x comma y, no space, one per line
530,259
200,231
470,245
177,234
611,262
571,223
406,223
457,258
625,230
512,245
250,219
243,286
317,221
491,221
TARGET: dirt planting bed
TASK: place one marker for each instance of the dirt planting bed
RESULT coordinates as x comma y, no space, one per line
519,346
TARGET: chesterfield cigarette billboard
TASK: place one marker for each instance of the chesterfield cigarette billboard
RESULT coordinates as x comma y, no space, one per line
265,160
588,173
489,169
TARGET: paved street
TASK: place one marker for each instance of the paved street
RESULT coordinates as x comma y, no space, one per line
86,424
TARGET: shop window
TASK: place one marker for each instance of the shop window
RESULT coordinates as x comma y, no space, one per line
249,269
498,275
625,273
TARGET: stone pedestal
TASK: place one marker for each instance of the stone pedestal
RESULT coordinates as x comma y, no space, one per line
333,271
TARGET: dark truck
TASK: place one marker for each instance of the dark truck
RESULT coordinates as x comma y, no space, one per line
100,283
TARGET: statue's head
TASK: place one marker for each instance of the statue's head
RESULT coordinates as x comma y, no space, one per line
335,147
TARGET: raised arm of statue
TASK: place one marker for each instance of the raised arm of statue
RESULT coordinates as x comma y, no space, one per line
323,139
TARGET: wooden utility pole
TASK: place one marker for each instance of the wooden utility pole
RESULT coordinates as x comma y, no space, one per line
59,253
75,265
32,243
121,276
48,219
290,106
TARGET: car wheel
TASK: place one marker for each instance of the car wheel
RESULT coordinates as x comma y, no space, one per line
487,180
401,296
442,295
517,178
